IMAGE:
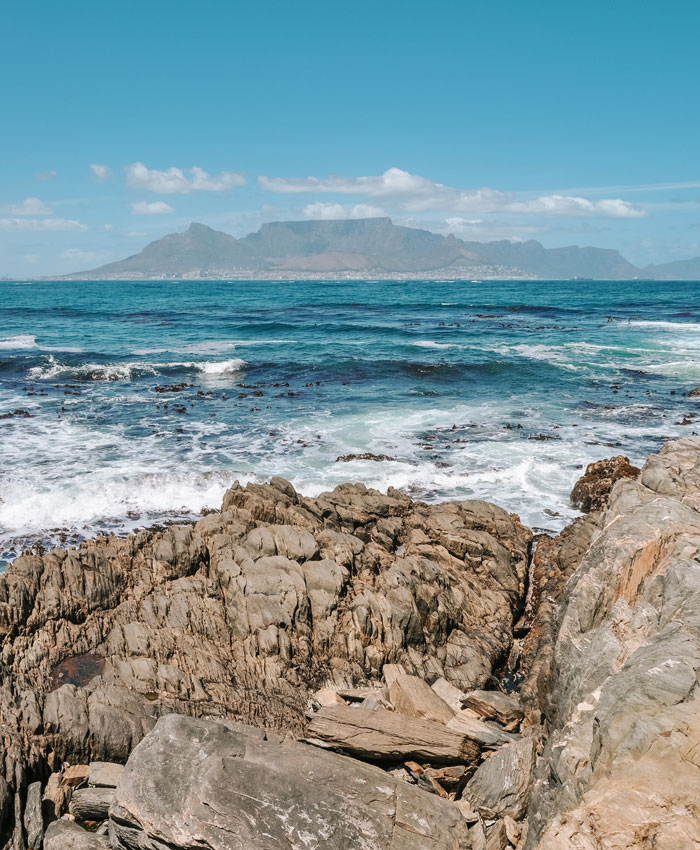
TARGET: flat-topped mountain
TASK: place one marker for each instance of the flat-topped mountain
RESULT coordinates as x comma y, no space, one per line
370,247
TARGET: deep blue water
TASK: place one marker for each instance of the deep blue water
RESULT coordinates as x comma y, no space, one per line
493,390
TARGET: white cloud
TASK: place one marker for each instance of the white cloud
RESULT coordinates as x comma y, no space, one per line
36,224
29,206
334,211
571,205
101,173
411,192
152,208
175,181
45,175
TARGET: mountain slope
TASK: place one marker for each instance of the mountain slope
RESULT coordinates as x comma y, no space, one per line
558,263
371,246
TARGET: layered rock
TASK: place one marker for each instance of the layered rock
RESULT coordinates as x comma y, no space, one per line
621,769
242,616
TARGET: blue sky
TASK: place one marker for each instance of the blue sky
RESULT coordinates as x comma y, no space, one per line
569,122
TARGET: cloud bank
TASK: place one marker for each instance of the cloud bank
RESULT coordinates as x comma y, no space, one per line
175,181
413,193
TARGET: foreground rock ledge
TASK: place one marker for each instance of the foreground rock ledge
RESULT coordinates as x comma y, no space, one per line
243,616
197,783
364,596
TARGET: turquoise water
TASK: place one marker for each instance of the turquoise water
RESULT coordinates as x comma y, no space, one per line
501,391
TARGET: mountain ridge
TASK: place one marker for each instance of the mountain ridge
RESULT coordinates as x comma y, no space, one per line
372,247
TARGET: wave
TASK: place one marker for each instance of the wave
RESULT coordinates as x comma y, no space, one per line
128,371
675,327
21,341
426,343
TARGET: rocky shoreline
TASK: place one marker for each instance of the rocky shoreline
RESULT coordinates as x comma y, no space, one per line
361,670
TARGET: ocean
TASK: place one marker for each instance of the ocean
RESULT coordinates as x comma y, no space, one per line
146,400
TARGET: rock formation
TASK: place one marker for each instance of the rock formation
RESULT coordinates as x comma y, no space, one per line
362,671
243,616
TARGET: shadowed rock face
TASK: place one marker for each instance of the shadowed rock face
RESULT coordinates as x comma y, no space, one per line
620,768
242,615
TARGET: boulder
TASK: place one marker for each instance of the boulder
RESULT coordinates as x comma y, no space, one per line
501,785
64,834
198,783
592,490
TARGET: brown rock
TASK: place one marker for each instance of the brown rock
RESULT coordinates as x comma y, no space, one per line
412,696
494,705
592,490
76,775
246,613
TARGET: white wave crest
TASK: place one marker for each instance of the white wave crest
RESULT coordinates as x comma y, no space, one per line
24,341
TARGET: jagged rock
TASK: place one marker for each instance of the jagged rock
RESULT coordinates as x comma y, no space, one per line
65,835
554,561
485,734
412,696
387,736
494,705
592,490
105,774
91,803
501,785
617,770
56,797
233,786
245,614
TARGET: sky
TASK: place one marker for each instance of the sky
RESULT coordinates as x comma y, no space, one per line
567,122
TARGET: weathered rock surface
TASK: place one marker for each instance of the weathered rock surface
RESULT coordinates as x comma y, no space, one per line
592,491
244,615
501,785
620,767
196,783
494,705
389,736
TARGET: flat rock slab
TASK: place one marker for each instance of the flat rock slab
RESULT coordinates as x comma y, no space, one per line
494,705
414,697
484,734
105,774
387,736
197,783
